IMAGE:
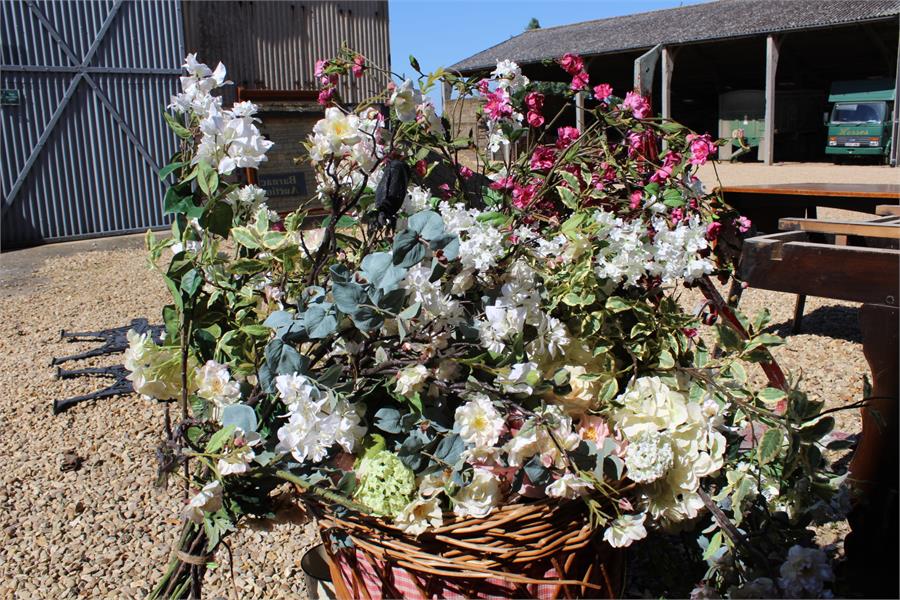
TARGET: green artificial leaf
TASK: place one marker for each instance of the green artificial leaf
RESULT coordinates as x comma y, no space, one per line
817,430
407,249
283,359
411,312
191,282
240,416
218,218
379,270
207,178
666,360
772,395
366,318
340,273
388,419
446,246
348,296
728,337
219,438
427,224
770,445
673,198
319,321
179,129
170,168
616,304
246,237
608,390
714,544
567,197
247,266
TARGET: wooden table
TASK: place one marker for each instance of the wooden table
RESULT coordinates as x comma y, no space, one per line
867,270
764,205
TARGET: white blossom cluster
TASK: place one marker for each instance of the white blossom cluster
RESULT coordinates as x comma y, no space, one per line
630,253
439,307
316,421
214,384
229,138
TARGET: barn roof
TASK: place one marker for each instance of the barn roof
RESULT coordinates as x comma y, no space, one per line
695,23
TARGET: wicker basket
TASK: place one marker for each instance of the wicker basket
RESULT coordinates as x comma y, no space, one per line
536,550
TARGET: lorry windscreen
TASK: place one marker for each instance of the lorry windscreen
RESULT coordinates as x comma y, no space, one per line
858,112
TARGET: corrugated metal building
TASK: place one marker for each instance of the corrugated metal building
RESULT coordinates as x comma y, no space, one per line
83,83
779,48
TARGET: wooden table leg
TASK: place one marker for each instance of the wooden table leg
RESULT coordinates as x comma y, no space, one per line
797,323
872,546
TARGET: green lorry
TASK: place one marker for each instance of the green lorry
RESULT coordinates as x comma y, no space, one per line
861,118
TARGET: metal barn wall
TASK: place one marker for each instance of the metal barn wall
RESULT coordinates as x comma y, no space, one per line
274,45
82,146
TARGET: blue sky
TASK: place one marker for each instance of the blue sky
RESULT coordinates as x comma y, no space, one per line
442,32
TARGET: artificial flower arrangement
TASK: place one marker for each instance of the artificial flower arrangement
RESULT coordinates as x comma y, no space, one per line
462,335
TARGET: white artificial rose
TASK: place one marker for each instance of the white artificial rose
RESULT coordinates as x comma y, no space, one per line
295,390
479,422
420,515
479,497
650,405
411,379
568,486
805,572
519,379
208,499
404,100
625,530
338,129
215,385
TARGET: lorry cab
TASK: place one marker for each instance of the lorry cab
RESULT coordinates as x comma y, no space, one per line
860,119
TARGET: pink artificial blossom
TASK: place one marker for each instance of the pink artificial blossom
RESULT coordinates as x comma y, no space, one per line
637,104
359,65
712,230
636,197
602,91
465,172
320,68
535,119
534,101
565,136
543,158
743,224
504,183
326,95
497,105
421,168
580,81
670,161
484,87
596,429
677,215
445,191
571,63
702,147
523,195
691,332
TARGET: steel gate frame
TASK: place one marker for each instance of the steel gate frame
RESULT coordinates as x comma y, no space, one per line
83,70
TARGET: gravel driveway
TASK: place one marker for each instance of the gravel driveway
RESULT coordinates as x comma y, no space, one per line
103,530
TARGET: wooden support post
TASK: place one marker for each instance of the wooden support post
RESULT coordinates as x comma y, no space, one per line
446,91
668,66
895,147
772,47
579,110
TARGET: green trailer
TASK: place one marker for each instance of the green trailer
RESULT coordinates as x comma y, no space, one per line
861,118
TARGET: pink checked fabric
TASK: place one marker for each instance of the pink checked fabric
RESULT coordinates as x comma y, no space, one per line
401,583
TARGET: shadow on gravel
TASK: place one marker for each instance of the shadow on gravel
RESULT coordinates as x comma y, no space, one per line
839,322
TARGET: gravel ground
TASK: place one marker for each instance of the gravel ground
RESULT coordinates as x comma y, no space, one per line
103,530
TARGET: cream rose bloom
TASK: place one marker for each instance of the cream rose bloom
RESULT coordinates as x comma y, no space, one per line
479,497
420,515
479,422
625,530
411,379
